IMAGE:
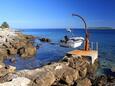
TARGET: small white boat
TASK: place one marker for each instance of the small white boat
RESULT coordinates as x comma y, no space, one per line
68,29
72,42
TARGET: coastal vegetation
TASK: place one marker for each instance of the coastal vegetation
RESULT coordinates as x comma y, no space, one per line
4,25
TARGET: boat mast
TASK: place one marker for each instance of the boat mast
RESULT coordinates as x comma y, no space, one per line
86,44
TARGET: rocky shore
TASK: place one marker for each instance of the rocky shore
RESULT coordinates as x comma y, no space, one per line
70,71
16,44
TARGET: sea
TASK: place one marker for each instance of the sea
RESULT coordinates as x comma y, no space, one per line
53,52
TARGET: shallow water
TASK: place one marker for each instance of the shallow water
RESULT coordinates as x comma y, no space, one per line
51,53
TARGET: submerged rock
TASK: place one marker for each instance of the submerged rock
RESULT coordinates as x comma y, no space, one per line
45,40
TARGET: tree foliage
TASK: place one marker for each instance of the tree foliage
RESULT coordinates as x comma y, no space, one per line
4,25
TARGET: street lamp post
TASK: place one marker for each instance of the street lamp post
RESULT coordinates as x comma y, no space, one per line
86,44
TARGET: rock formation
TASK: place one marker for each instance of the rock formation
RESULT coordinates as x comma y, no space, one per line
19,81
70,71
12,43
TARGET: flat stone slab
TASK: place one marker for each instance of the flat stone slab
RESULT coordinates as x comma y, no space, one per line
92,53
20,81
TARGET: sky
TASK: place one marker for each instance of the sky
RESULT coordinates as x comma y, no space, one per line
57,13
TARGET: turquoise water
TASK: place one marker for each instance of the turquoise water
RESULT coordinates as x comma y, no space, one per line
51,53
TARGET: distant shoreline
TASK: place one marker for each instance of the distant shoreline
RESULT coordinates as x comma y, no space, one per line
21,29
101,28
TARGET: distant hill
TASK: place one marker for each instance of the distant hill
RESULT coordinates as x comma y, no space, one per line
100,28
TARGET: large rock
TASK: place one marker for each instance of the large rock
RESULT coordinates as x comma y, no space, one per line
78,63
39,76
4,73
84,82
7,45
19,81
21,36
45,40
48,74
20,44
69,75
6,70
2,65
35,72
3,55
11,69
12,51
83,72
45,78
27,51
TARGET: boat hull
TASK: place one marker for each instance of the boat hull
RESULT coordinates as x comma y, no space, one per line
71,44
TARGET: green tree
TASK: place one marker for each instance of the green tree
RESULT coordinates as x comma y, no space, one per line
4,25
